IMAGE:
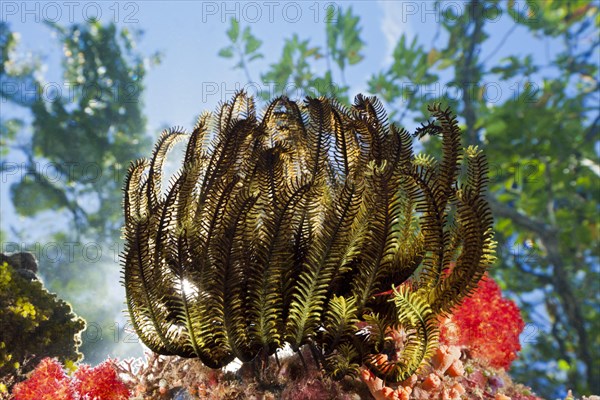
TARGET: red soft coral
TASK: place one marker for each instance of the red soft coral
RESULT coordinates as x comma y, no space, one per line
488,324
100,383
47,382
50,382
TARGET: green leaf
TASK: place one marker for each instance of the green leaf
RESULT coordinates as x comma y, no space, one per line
252,44
234,31
563,365
445,63
226,52
255,56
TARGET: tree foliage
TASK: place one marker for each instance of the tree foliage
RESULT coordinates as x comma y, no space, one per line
76,142
87,133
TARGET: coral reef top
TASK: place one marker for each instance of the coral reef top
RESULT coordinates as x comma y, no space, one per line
313,224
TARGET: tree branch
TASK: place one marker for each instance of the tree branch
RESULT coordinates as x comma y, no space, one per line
523,220
469,70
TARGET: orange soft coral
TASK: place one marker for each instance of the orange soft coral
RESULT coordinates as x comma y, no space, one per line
445,356
488,324
380,391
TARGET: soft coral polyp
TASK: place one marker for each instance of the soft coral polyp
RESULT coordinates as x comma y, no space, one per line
488,324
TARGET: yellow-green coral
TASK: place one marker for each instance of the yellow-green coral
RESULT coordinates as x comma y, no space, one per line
35,323
5,277
24,308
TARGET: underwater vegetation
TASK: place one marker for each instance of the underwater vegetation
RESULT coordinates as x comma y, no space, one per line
313,225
